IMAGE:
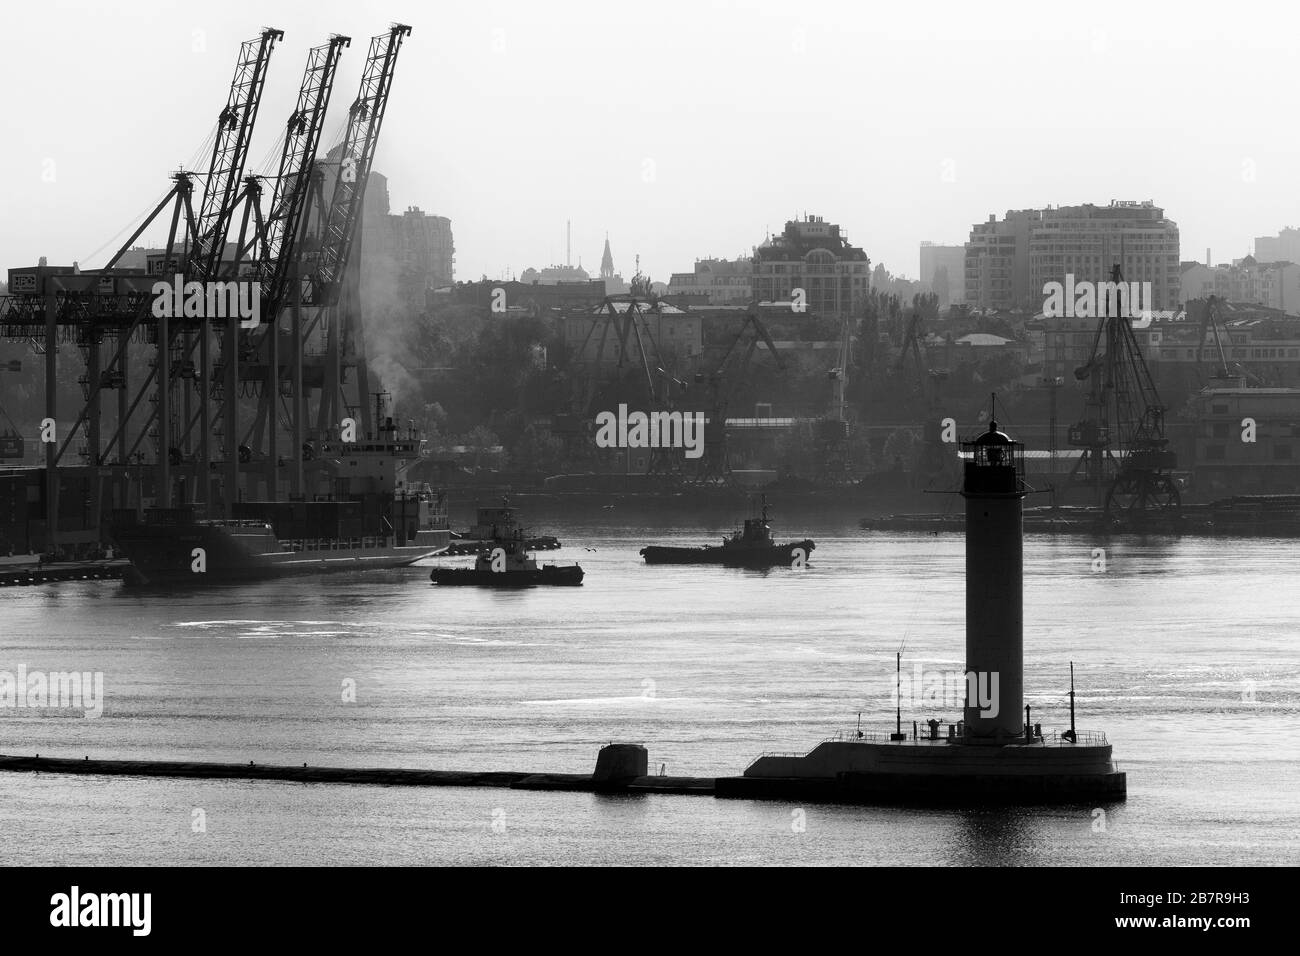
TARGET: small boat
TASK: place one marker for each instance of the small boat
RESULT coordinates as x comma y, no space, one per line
505,561
750,547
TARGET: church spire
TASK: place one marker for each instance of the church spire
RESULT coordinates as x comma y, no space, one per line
607,261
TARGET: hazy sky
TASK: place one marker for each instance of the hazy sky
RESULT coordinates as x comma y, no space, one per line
684,129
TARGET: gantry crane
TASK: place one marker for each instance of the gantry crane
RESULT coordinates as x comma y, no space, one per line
1126,460
833,429
629,317
106,303
254,356
724,382
178,401
332,264
936,460
1211,323
305,258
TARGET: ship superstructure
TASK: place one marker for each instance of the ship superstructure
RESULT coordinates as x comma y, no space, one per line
366,515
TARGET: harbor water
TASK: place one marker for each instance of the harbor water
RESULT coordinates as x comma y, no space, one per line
1185,650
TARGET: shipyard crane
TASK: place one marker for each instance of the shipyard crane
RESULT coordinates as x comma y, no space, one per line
833,429
105,303
628,318
1125,456
104,310
1236,373
332,264
235,126
222,194
302,136
935,459
626,315
724,382
1209,323
274,249
928,379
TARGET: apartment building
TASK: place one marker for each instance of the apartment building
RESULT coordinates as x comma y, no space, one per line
1009,261
816,257
719,281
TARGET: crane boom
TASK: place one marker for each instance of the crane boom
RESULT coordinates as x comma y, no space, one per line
1211,310
1123,431
289,200
365,117
229,154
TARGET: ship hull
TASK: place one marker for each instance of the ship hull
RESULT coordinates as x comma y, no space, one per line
773,556
554,575
198,555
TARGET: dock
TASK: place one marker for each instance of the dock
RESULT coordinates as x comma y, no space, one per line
36,573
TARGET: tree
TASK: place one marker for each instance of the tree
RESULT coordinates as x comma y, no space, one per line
927,303
481,441
939,286
899,447
537,451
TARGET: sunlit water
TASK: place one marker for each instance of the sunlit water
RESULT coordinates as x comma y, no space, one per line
1185,653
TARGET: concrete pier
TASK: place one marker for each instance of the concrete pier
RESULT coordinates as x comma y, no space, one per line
397,777
821,784
936,772
920,789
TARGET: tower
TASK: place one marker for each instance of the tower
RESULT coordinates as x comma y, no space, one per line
994,490
607,261
990,755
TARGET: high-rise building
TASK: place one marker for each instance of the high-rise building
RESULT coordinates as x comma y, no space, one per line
997,262
425,248
1009,262
1284,247
1087,241
938,261
816,258
403,256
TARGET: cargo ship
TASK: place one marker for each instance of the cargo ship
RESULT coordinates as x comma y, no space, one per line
374,519
504,558
750,547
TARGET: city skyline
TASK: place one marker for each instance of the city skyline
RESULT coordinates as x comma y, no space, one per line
916,164
717,433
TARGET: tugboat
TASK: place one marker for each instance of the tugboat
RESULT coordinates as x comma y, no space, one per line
505,560
486,524
750,547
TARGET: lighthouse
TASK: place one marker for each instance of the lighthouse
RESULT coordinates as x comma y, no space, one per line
994,488
992,753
